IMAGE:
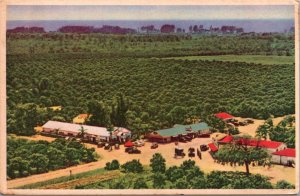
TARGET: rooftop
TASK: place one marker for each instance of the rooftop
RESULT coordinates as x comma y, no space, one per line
260,143
182,129
93,130
224,115
226,139
288,152
212,147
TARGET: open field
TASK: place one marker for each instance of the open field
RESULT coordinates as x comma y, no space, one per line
257,59
207,164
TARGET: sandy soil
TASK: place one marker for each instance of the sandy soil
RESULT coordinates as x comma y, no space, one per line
207,164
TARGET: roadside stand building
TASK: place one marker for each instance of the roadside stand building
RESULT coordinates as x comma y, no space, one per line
178,132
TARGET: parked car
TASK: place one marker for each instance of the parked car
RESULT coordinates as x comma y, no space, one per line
244,123
128,149
235,123
179,152
100,144
134,151
154,145
249,121
203,147
139,143
106,146
204,135
182,139
188,138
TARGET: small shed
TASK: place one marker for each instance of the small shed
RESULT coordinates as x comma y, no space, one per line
80,119
284,156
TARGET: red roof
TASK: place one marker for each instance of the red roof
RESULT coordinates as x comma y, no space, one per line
128,144
226,139
288,152
260,143
212,147
224,115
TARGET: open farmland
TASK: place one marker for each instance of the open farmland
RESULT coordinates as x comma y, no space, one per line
165,80
257,59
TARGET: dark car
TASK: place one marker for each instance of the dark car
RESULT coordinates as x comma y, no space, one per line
249,121
100,144
182,139
107,146
243,123
188,138
154,145
235,123
134,151
128,149
203,147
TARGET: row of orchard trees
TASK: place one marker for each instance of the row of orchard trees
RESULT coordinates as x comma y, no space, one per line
26,157
138,44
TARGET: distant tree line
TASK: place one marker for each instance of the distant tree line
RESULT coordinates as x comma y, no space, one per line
149,45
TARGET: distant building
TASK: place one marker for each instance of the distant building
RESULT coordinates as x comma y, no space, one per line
270,146
279,152
284,156
224,116
81,118
173,134
92,133
121,134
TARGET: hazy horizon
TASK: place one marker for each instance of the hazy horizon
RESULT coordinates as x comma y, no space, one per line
149,12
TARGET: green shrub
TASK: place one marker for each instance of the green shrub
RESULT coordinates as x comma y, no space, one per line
282,184
133,166
112,165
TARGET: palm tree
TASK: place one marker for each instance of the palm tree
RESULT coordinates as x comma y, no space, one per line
56,131
82,132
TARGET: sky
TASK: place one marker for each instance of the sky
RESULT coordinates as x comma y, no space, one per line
166,12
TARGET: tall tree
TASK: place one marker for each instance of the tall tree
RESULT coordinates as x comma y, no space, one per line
99,114
239,152
82,132
120,111
216,123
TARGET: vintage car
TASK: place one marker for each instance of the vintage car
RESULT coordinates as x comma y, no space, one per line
100,144
154,145
134,151
203,147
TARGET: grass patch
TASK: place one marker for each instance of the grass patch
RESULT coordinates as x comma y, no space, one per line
63,179
257,59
